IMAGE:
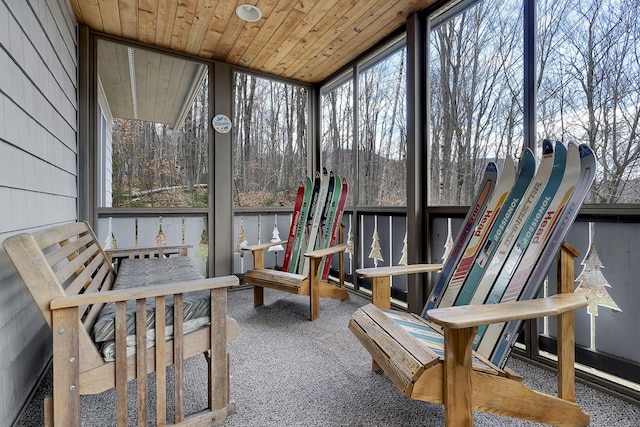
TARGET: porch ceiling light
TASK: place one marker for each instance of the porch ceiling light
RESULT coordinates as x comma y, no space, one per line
248,12
132,79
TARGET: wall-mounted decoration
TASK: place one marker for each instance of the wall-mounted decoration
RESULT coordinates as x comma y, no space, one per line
221,123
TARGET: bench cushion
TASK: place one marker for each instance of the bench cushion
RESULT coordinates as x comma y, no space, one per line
153,271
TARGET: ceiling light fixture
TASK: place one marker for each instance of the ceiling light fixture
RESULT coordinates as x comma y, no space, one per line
248,12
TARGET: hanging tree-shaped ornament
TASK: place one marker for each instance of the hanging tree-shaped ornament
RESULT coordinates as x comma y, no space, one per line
448,245
376,251
350,246
241,241
275,237
161,240
591,281
110,239
203,249
403,258
203,246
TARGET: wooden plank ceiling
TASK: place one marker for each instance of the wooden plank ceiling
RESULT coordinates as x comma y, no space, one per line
306,40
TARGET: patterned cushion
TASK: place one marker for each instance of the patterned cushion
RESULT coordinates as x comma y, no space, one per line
144,272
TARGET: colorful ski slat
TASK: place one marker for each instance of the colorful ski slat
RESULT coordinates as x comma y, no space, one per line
542,235
511,262
335,223
477,288
534,282
481,231
499,230
333,195
295,220
487,185
510,282
309,191
313,223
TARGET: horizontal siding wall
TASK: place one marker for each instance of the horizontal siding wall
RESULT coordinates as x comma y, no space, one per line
38,170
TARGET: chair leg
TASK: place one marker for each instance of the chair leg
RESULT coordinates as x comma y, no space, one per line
314,289
458,389
48,411
258,296
381,292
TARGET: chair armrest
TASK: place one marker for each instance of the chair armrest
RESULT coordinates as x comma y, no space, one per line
263,246
398,270
468,316
381,279
144,292
320,253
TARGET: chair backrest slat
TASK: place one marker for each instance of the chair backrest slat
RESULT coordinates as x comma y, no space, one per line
315,221
519,244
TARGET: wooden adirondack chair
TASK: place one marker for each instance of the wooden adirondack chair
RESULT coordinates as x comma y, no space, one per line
311,280
433,357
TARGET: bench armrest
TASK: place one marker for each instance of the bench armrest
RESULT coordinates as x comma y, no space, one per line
143,292
145,249
467,316
119,254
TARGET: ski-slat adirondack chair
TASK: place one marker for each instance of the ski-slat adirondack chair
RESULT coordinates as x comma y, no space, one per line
72,280
315,243
433,357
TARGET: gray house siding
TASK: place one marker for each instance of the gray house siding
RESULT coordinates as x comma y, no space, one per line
38,170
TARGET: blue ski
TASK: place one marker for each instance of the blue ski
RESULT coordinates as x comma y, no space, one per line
532,286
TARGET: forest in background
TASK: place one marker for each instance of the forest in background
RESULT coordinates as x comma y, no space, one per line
588,90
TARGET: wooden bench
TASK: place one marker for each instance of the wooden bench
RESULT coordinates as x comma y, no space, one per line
71,279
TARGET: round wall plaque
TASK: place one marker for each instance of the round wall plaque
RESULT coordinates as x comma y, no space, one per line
221,123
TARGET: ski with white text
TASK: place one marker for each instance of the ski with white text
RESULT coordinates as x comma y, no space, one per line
330,235
295,220
313,223
490,261
533,283
499,200
487,184
311,189
333,195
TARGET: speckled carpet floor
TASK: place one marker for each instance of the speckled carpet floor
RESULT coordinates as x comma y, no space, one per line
288,371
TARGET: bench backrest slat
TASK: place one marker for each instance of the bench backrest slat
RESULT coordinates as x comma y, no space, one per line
47,238
77,264
102,281
62,261
68,250
65,256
